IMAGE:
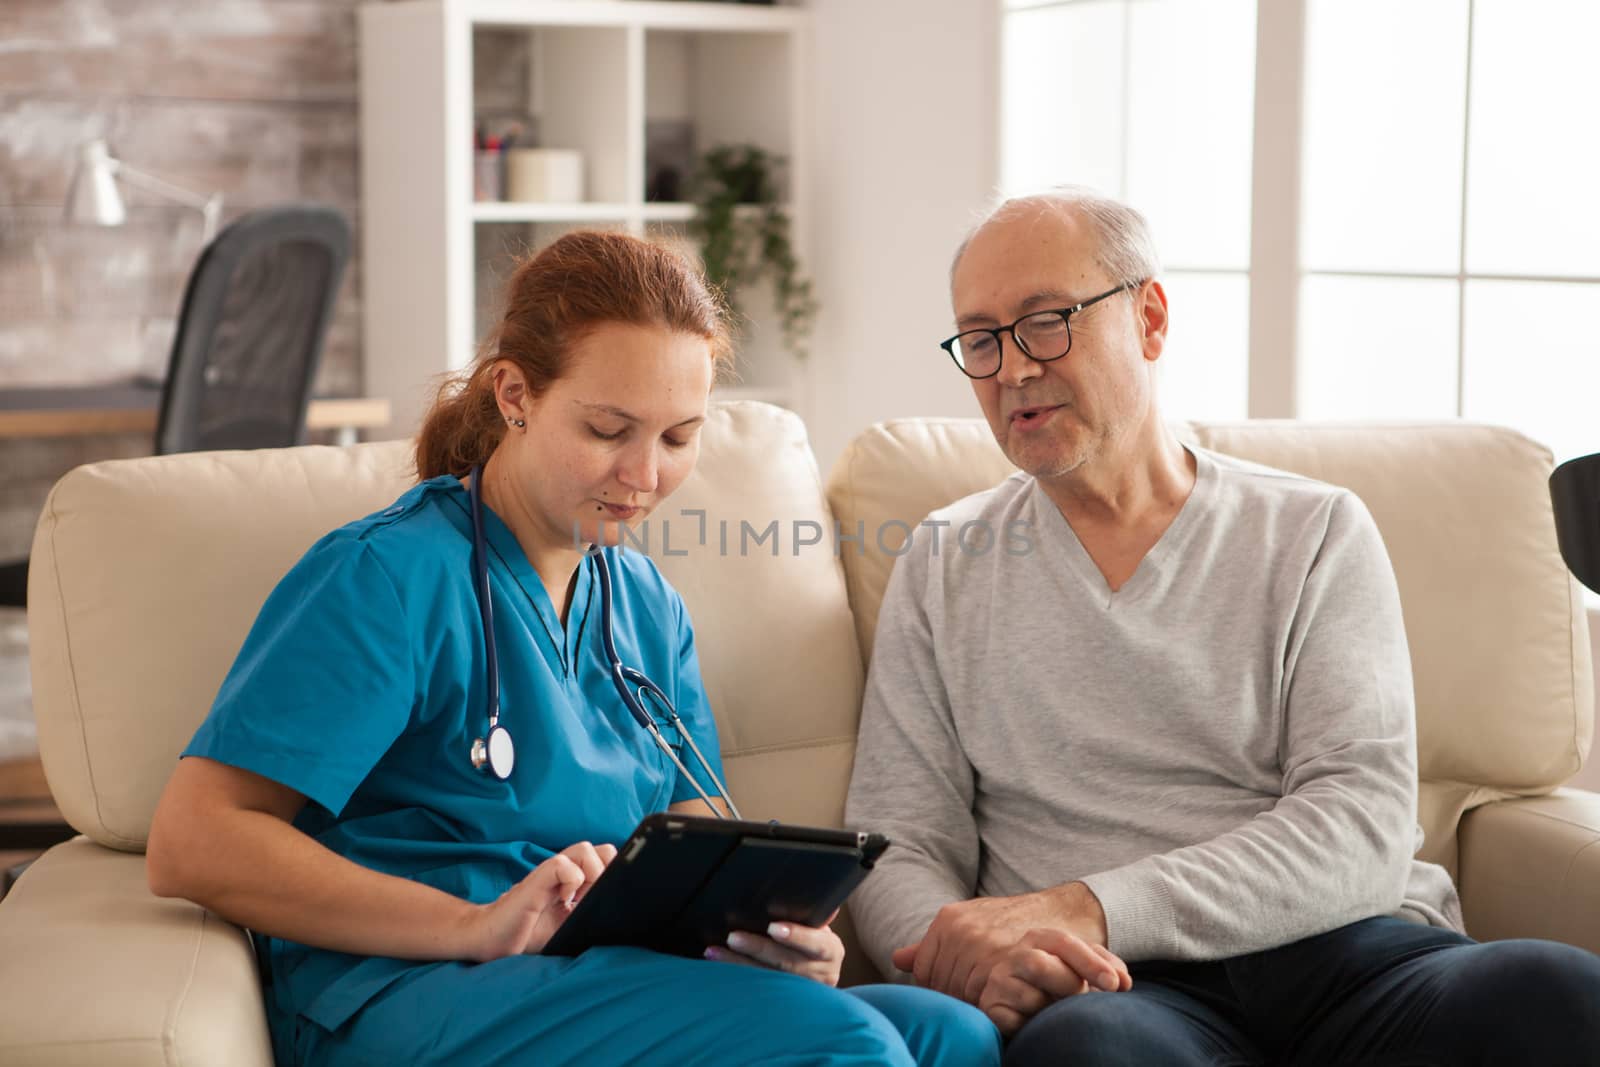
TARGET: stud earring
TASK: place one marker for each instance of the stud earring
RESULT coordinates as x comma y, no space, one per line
518,423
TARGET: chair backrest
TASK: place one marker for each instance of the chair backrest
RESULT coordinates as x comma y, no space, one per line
147,573
1496,626
250,331
1575,495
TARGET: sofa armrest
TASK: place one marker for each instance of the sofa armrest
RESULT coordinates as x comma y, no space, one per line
94,969
1530,867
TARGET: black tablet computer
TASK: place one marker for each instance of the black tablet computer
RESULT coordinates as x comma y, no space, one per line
681,883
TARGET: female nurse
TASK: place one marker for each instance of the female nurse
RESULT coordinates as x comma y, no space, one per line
331,802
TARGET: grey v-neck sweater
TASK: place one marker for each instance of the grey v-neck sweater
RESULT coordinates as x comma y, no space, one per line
1223,749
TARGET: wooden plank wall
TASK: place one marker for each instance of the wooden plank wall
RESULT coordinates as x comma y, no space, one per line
255,99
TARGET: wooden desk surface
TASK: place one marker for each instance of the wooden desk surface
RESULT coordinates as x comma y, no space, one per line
74,411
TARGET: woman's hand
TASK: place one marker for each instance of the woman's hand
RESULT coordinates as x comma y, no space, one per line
809,951
528,914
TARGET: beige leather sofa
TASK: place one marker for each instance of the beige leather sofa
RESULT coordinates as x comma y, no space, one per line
148,572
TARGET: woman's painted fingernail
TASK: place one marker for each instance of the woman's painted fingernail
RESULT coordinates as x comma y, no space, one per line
713,953
738,941
779,931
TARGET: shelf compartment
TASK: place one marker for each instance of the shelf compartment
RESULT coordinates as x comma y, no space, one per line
704,89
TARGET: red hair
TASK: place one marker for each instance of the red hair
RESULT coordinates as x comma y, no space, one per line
582,280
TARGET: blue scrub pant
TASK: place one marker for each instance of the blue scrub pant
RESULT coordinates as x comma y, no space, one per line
1378,992
627,1006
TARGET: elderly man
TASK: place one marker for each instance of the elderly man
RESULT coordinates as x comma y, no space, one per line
1176,731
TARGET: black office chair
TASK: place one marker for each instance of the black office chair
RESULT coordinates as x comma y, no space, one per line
249,342
1575,497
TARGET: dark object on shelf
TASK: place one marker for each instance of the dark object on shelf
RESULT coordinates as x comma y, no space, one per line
668,158
740,247
1575,498
249,341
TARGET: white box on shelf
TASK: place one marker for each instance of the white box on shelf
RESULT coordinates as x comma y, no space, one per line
544,175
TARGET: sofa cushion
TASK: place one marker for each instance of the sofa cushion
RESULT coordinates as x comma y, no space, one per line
146,574
100,971
772,620
1497,632
896,473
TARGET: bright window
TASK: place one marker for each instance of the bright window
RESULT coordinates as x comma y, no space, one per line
1151,102
1437,179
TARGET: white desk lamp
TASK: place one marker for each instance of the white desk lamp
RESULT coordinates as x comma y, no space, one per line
93,196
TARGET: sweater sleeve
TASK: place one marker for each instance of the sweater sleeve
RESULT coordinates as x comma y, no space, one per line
911,780
1337,846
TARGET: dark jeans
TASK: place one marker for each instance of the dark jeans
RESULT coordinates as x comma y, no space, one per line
1377,992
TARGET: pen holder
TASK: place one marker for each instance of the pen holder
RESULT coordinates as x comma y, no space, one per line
486,174
544,174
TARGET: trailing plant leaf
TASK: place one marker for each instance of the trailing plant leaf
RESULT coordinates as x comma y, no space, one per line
739,248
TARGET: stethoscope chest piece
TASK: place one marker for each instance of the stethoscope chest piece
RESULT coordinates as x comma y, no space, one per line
496,752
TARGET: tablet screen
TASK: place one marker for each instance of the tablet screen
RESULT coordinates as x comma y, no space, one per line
682,883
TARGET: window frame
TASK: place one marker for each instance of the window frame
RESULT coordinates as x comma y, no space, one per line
1276,270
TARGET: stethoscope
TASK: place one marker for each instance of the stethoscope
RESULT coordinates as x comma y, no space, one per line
495,751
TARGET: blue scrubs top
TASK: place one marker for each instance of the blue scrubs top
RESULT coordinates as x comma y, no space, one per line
363,684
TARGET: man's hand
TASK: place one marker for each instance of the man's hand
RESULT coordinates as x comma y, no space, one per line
967,939
1044,967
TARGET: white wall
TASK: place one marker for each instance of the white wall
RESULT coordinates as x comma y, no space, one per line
905,152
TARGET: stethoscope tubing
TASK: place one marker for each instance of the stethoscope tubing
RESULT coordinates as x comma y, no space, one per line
623,678
480,586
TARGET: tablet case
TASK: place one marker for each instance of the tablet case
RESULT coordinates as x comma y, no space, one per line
681,883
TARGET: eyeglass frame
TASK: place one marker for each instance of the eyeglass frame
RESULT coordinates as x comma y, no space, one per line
1066,314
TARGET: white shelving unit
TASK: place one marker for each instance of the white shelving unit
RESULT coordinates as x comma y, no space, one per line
596,72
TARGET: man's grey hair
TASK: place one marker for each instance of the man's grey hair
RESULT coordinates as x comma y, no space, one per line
1125,250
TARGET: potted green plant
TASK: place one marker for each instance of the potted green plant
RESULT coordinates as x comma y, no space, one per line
744,234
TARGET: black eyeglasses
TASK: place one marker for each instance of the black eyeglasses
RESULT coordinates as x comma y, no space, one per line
1041,335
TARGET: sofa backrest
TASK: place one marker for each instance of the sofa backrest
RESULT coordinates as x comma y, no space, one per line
147,573
1495,624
